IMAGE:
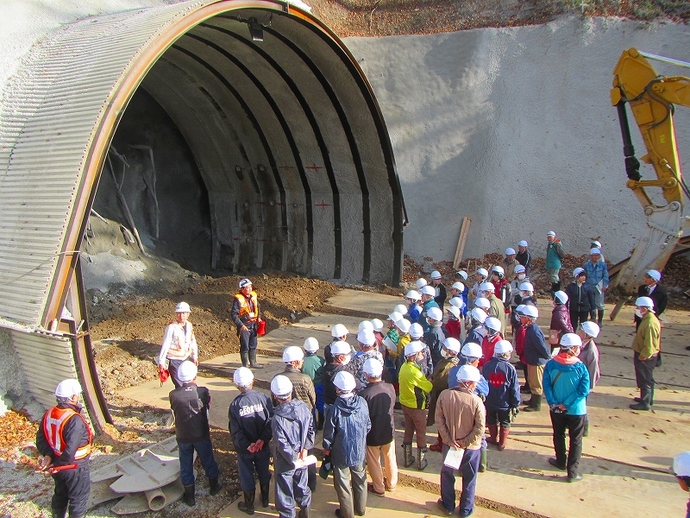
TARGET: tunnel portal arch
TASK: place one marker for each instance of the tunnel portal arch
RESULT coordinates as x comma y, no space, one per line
285,133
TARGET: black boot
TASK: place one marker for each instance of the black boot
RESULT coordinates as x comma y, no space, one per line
216,486
303,512
319,422
409,458
600,316
534,404
189,495
248,505
245,359
421,459
264,494
252,360
59,513
645,397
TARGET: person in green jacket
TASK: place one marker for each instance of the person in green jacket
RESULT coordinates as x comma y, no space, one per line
414,392
313,367
646,347
554,260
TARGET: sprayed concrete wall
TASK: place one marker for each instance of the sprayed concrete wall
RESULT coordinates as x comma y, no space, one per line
514,128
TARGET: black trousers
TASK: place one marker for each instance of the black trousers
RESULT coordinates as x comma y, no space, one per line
501,417
644,372
248,339
577,317
72,489
575,425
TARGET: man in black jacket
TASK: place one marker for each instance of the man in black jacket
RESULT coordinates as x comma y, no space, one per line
654,291
249,419
191,404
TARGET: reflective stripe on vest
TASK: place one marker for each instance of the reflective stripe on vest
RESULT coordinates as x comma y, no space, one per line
53,427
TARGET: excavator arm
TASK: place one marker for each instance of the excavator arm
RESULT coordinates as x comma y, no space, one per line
651,99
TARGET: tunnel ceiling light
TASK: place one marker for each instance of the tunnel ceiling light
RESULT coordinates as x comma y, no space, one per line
256,30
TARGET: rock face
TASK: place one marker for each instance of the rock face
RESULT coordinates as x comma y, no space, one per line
514,128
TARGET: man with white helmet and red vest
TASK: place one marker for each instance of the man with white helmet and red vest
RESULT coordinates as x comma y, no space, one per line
64,441
179,344
245,315
646,348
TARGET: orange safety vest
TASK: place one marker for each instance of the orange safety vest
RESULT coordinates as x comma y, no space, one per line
53,426
248,306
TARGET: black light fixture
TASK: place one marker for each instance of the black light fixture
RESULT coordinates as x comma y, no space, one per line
256,30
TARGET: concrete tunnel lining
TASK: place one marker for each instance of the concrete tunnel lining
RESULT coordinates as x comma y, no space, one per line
285,134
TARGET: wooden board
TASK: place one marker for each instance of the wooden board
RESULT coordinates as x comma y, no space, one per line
464,231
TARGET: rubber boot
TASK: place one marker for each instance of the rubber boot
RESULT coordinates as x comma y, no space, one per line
503,438
484,461
493,433
319,422
651,394
644,404
303,512
248,505
409,459
438,447
586,432
216,485
421,459
245,359
252,360
264,494
600,317
188,496
534,404
59,513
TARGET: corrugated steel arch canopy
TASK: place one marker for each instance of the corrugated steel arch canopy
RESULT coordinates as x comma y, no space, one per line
285,132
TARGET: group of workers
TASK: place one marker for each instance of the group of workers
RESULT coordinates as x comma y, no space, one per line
454,372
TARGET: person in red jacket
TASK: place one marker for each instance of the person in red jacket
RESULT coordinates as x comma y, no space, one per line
493,336
453,327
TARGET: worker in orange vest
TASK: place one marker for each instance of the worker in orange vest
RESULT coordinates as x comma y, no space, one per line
245,315
64,441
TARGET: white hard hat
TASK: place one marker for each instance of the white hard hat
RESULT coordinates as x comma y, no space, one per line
644,302
186,372
404,325
462,274
293,354
400,308
590,328
183,307
413,348
502,347
245,282
569,340
482,272
577,271
428,290
420,283
68,388
498,269
395,316
478,315
243,377
365,324
482,303
457,302
523,243
452,344
654,274
372,367
366,337
454,310
526,286
311,345
594,251
681,464
471,350
281,386
458,286
435,314
486,286
551,233
344,381
416,331
340,347
339,330
596,244
413,294
377,324
436,275
520,309
530,311
510,251
468,373
519,269
561,296
493,323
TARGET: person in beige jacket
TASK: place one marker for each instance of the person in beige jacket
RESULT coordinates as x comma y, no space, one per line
460,418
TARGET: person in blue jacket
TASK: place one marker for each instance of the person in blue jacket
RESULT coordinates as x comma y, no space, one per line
292,428
503,399
536,354
345,440
566,385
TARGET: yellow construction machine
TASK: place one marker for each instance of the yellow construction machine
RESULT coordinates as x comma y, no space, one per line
651,98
